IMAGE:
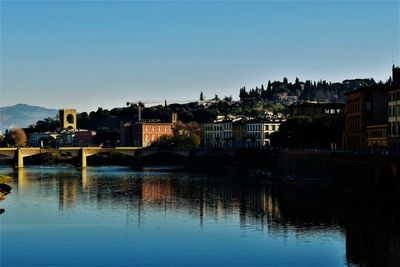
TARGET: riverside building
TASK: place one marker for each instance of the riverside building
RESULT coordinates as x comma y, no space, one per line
239,133
145,132
394,110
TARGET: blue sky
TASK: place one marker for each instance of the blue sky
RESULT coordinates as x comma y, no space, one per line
101,53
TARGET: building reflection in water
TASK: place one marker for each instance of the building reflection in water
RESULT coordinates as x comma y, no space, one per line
68,192
371,229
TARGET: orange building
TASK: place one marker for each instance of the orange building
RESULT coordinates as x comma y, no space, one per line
354,137
144,132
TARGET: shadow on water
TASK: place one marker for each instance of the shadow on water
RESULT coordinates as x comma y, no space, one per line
371,228
5,189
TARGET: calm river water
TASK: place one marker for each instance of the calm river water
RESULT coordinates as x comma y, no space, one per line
112,216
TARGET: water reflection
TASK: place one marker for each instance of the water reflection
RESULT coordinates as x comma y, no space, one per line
371,228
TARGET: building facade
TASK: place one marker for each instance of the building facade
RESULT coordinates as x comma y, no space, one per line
42,139
142,134
84,138
239,133
366,116
269,128
354,136
218,134
258,132
394,110
377,137
254,134
65,138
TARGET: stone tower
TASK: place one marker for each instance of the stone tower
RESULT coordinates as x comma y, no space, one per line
174,119
68,118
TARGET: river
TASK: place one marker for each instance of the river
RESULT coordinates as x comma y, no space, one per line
113,216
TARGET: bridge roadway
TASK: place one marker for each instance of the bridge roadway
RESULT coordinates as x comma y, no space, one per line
83,152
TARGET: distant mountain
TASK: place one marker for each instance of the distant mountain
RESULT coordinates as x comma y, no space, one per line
22,115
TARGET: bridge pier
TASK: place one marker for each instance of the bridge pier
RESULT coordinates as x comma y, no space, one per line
19,159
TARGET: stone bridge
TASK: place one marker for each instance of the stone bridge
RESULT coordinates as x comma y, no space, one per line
82,152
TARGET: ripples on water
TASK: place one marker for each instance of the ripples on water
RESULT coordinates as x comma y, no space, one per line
111,216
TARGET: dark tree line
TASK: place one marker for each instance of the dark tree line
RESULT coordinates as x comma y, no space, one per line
308,90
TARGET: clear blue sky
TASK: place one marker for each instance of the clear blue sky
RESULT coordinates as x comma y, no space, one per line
102,53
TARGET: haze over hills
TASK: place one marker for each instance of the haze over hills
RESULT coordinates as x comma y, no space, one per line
23,115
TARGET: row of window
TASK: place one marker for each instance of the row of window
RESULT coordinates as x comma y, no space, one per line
395,128
257,127
227,135
153,128
229,144
394,111
152,137
217,127
376,133
250,127
394,96
218,135
353,106
353,123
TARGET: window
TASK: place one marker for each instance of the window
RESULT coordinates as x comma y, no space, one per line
397,129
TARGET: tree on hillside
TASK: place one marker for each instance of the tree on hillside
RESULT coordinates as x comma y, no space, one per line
285,80
243,95
201,96
228,98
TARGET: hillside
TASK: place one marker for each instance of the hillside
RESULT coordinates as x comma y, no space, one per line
23,115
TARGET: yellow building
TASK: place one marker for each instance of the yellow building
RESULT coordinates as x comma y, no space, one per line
377,137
